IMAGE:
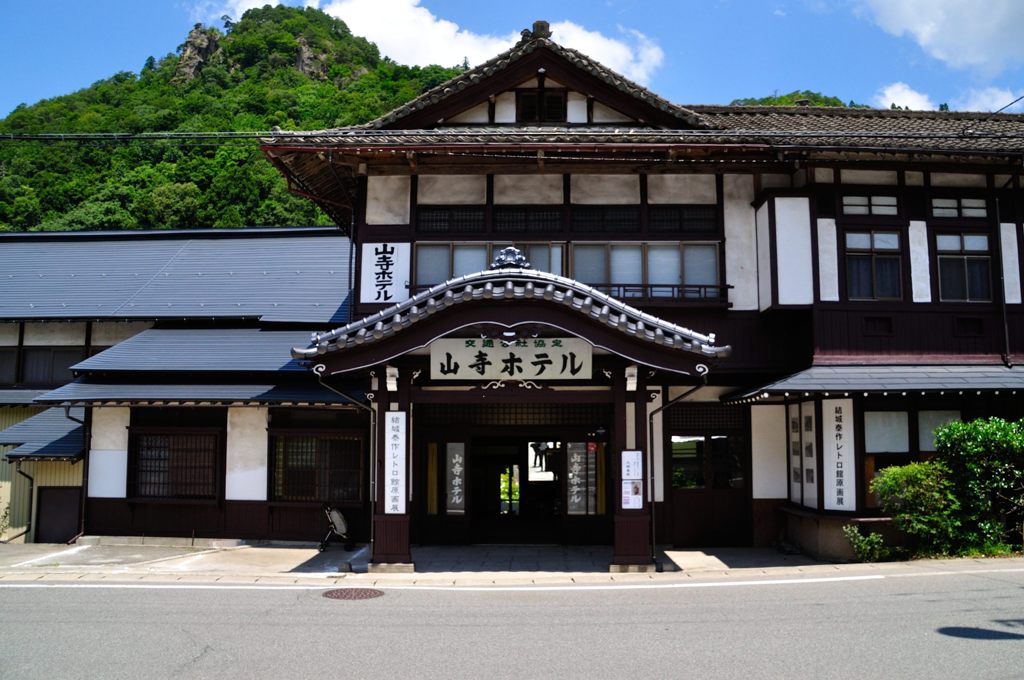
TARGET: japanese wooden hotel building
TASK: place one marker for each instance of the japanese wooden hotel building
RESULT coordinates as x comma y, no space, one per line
569,312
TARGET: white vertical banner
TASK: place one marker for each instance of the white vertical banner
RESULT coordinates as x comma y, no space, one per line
394,463
385,273
839,470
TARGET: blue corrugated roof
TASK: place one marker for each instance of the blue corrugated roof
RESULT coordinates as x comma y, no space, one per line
47,435
202,349
21,397
80,392
280,277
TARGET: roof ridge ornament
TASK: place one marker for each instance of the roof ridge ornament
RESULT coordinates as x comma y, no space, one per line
541,31
510,257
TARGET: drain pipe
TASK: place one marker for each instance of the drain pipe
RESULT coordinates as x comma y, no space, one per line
373,447
650,447
31,487
85,473
1007,361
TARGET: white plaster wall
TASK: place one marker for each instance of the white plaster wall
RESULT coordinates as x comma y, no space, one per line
1011,263
528,190
108,452
769,451
793,250
505,108
387,199
764,259
245,477
55,333
8,334
605,189
477,114
682,189
606,114
913,178
576,108
880,177
631,428
740,241
452,190
957,179
775,181
526,84
657,448
828,261
823,175
920,265
106,333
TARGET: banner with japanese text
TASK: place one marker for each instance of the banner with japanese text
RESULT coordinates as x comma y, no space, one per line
839,469
394,463
384,275
529,359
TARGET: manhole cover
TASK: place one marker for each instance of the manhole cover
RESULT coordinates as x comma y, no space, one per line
353,593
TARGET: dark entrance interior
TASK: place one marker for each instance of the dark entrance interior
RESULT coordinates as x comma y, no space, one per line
58,517
515,490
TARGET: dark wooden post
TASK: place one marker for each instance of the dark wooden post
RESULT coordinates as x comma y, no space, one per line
632,544
391,531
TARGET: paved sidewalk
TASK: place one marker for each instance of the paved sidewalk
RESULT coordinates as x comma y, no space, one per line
97,561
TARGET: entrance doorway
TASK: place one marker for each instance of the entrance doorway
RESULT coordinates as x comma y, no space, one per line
516,490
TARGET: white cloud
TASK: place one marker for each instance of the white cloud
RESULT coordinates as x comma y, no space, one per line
411,34
903,95
961,33
988,99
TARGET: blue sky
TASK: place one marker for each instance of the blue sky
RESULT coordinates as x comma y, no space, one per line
915,52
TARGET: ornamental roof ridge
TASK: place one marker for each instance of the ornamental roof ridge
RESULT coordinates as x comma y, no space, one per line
514,284
502,61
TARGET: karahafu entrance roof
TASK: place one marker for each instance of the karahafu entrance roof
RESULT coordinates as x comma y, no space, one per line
515,285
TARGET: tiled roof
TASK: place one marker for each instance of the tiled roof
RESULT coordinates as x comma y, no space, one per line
46,436
875,379
509,57
288,278
200,350
81,392
791,127
514,284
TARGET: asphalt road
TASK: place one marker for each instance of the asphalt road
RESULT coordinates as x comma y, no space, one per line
919,625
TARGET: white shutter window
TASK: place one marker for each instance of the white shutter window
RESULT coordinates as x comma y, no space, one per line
589,264
431,264
469,260
663,269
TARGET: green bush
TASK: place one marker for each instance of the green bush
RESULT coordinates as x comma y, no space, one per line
985,459
866,547
920,499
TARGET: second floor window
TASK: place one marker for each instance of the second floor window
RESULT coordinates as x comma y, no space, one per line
959,207
439,262
652,270
965,267
870,205
540,106
873,265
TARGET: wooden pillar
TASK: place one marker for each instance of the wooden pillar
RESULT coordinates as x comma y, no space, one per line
391,530
632,543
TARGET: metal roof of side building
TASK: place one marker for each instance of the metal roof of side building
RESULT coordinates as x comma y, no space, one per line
298,277
49,435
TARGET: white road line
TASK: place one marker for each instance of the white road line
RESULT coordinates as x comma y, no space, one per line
159,586
51,556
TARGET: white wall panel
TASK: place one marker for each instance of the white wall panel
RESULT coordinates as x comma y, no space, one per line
776,181
957,179
108,474
245,476
58,333
879,177
505,108
387,199
451,190
1011,263
106,333
764,259
828,261
606,114
740,241
920,263
476,114
528,190
110,427
823,175
576,108
793,250
605,189
8,334
769,468
693,188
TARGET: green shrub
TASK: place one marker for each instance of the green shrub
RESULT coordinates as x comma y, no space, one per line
866,547
985,459
920,499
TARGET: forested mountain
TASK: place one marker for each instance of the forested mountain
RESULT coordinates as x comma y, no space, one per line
296,68
299,69
797,98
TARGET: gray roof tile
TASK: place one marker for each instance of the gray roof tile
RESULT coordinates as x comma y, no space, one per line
300,278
